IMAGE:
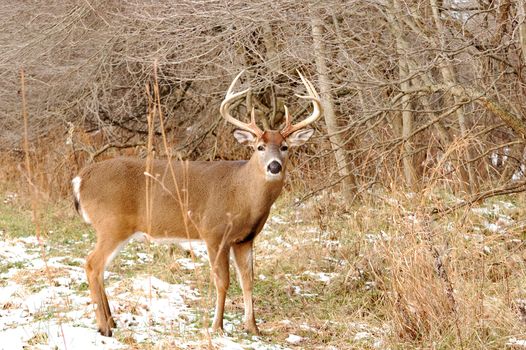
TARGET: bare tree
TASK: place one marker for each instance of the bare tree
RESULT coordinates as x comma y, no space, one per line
413,91
335,137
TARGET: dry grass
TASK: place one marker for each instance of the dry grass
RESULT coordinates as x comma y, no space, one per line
395,275
380,275
403,277
384,273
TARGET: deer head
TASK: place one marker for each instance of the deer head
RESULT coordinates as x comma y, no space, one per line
271,146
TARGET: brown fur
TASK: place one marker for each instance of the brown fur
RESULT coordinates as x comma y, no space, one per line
224,203
212,212
272,137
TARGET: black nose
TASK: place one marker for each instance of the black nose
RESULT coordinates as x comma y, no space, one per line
274,167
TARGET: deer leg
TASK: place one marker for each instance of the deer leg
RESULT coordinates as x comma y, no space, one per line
96,263
243,259
221,276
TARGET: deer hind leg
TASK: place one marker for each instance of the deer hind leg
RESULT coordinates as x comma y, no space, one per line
96,263
243,258
221,276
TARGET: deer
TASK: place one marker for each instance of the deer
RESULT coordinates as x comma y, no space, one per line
224,203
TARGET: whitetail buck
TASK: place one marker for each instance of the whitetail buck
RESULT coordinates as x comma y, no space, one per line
223,203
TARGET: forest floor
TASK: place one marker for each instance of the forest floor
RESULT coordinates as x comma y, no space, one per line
322,281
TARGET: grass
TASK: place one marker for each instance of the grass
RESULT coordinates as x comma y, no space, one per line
394,277
15,220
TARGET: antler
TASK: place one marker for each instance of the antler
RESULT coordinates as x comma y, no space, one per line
316,113
225,110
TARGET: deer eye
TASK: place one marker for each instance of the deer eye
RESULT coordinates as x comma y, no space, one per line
261,148
284,148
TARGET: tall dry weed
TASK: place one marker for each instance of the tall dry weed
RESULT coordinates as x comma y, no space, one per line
442,282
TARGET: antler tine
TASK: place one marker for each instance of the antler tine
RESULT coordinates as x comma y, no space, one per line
233,83
287,117
225,109
310,88
253,119
316,113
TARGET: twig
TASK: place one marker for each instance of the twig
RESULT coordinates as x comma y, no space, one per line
517,187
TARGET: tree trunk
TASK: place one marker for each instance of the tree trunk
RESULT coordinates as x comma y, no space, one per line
404,73
449,78
407,126
274,67
522,28
347,180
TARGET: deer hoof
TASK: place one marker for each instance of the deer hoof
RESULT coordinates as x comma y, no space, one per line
218,330
111,323
252,329
105,332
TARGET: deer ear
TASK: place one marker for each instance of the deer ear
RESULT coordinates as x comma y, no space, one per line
299,137
244,137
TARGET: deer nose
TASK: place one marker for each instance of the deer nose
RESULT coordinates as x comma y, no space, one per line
274,167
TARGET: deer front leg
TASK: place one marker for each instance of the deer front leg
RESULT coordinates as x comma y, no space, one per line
221,276
244,263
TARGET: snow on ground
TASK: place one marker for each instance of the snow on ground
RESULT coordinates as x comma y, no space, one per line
515,343
47,306
495,220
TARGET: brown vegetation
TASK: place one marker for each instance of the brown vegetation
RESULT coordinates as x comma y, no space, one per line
424,103
433,89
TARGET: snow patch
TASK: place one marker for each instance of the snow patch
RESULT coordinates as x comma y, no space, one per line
47,306
293,339
324,277
516,343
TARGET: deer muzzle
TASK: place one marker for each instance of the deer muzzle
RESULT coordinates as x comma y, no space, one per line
274,167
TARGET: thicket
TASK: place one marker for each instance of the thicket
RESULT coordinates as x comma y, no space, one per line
414,92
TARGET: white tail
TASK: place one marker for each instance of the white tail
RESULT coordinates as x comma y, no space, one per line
223,203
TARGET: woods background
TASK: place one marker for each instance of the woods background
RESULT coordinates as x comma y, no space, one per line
414,92
424,104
